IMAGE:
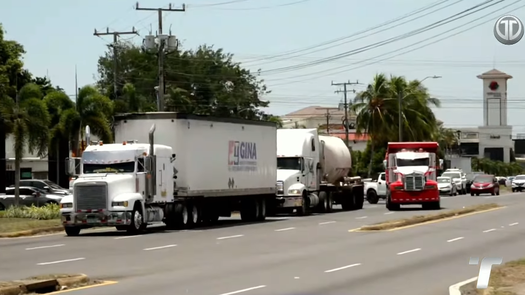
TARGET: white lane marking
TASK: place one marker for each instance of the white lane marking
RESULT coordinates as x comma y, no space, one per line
489,230
45,247
513,224
230,237
361,217
326,222
285,229
455,239
409,251
161,247
388,213
244,290
127,237
61,261
342,267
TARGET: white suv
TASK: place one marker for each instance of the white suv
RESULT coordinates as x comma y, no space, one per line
459,179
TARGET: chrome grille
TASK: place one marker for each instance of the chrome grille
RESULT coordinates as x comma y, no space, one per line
414,182
91,197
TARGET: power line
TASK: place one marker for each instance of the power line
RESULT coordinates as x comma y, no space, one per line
355,34
116,36
412,33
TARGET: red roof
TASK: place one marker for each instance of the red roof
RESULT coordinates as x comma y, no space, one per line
351,136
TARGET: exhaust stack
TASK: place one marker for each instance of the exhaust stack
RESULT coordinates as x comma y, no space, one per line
151,182
152,139
88,135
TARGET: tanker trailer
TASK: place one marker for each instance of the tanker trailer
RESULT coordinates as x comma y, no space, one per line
313,173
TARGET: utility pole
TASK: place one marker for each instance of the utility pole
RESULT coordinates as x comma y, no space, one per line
172,45
328,116
400,114
345,91
115,35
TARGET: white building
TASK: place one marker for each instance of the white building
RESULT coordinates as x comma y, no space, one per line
493,140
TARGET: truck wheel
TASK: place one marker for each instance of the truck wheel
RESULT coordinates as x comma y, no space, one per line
72,231
195,216
303,210
136,224
261,215
391,206
323,196
329,202
348,202
185,216
359,201
249,210
371,196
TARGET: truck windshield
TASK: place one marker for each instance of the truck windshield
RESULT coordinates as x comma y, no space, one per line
289,163
125,167
413,162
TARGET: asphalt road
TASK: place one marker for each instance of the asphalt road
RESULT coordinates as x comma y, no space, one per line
307,255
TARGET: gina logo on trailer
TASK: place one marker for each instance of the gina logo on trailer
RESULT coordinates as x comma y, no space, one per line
242,156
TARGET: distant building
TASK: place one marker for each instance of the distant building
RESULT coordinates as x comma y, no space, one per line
329,121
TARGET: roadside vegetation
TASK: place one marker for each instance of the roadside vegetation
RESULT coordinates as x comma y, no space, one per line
20,221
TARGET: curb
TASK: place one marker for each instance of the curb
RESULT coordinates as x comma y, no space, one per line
27,286
455,289
31,232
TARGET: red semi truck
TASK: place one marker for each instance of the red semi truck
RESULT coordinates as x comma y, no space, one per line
411,173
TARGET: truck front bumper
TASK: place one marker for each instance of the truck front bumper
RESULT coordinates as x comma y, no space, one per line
406,197
99,219
289,201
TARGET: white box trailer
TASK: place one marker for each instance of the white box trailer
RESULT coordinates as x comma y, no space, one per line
224,164
179,169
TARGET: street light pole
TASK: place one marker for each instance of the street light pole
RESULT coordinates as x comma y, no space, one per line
400,106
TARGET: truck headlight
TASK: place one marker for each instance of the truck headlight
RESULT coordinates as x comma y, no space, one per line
294,192
66,205
119,204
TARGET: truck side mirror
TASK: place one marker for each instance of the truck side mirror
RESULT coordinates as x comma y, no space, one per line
73,166
385,164
148,163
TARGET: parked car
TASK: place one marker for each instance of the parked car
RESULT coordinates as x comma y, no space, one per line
28,196
459,179
470,177
518,184
447,186
501,180
485,184
509,180
45,185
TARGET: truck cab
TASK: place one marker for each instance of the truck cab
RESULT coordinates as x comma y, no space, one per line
411,173
117,186
297,167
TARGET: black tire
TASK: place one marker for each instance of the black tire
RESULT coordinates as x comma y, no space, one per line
371,196
493,193
303,210
323,196
72,231
261,214
121,227
497,192
185,216
471,194
249,210
359,200
477,195
391,206
329,202
348,202
195,216
513,190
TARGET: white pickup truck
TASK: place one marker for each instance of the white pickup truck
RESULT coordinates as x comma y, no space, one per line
376,190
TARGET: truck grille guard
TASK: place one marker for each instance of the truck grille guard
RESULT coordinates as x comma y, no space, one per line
414,182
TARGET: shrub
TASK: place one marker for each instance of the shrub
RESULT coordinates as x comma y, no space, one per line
49,211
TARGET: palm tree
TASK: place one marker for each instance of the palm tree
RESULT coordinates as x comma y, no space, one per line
91,108
376,110
28,120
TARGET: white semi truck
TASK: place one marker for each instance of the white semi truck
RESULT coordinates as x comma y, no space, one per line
313,173
192,170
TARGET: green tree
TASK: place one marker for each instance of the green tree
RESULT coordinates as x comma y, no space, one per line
377,110
28,119
202,81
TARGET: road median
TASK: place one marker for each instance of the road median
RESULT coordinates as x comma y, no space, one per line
426,219
50,284
507,279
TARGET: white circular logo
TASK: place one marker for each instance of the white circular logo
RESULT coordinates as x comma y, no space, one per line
508,30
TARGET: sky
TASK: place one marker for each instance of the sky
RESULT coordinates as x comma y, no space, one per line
279,37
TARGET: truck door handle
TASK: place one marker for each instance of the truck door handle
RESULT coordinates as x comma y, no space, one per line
379,182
